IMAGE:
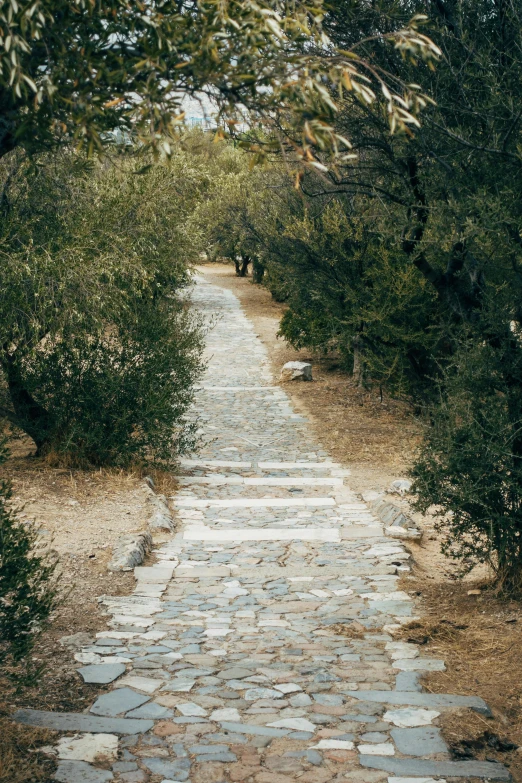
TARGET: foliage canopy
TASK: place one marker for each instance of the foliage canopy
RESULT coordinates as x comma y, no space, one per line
84,68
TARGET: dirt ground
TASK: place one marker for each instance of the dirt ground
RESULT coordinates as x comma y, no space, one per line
478,636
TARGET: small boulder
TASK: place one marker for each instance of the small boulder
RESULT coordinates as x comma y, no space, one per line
400,486
296,371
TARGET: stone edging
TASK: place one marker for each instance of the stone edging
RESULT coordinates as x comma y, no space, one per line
398,524
131,549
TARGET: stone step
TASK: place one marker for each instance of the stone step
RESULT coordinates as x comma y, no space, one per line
183,502
237,388
261,482
297,465
276,572
213,463
261,534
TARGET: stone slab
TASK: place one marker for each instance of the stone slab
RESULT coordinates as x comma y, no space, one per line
423,767
420,664
81,772
326,571
420,741
74,721
412,699
93,748
361,531
118,701
101,673
154,574
176,770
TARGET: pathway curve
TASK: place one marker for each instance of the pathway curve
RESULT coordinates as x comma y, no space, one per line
259,647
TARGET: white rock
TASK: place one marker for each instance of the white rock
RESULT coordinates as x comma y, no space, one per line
296,371
87,658
409,717
153,636
398,595
161,515
400,486
288,687
189,709
144,684
227,713
379,749
406,533
401,650
333,744
183,686
297,724
88,747
234,592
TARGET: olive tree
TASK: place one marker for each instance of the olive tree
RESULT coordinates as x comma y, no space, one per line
82,69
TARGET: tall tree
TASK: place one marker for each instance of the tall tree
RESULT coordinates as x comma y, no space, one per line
454,183
450,196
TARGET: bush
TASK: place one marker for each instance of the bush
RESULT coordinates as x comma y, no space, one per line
470,466
120,397
28,586
99,351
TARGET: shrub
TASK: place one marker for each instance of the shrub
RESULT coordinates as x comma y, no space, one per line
28,586
98,349
119,397
470,466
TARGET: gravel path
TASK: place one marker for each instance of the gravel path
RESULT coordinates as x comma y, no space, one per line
259,647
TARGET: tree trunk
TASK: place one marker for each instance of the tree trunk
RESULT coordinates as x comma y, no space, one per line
245,260
258,271
31,417
358,373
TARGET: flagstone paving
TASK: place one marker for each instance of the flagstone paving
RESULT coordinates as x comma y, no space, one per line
228,662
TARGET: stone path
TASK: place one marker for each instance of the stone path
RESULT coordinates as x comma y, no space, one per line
231,660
